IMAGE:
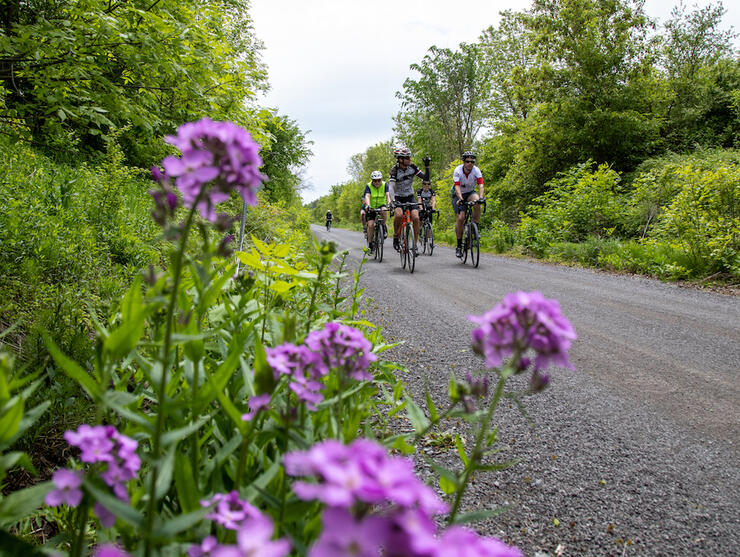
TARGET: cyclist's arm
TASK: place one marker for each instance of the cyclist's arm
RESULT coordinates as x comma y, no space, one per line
458,193
434,201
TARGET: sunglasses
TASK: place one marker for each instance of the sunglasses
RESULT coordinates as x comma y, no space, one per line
469,161
405,158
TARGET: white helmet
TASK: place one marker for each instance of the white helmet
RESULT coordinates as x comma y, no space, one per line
376,175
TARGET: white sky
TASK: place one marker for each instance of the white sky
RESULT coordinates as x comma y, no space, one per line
335,65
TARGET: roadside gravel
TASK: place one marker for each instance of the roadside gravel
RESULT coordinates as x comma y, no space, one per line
635,453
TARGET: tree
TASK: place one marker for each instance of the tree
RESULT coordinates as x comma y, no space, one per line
508,52
444,109
72,71
286,152
701,74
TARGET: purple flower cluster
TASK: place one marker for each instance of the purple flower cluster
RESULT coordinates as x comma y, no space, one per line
343,347
362,477
522,321
102,445
336,346
230,511
217,153
304,369
254,530
359,472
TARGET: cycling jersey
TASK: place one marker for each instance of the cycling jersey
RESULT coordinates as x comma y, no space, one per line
377,195
425,195
403,180
467,182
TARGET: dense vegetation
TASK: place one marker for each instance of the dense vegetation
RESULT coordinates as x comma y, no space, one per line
603,138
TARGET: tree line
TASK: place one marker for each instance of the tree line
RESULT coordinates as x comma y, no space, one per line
560,84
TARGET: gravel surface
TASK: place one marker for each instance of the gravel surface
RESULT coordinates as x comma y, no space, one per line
635,453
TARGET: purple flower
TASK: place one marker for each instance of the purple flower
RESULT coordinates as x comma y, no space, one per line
343,347
539,381
524,320
256,403
230,511
68,490
254,539
94,442
343,536
461,542
359,472
117,452
217,153
204,549
110,551
107,518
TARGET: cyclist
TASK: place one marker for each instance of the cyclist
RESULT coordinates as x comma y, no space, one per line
465,177
402,182
427,198
376,195
328,217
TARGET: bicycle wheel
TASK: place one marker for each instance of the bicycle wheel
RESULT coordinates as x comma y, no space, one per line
404,249
430,236
411,247
379,242
423,238
474,244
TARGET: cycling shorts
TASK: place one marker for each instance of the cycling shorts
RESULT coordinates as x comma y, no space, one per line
405,198
370,214
465,197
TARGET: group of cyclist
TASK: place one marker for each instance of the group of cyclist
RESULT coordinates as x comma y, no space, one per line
376,199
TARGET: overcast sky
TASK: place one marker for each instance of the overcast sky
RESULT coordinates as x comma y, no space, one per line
335,65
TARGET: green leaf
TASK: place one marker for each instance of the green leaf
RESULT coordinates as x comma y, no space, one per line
477,516
448,487
164,473
173,526
461,450
20,504
400,444
433,414
29,418
11,420
175,435
72,369
264,380
122,340
417,417
123,511
187,489
11,546
453,388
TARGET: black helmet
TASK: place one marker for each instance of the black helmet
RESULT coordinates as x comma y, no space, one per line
468,155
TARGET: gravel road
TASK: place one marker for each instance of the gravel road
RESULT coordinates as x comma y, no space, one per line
634,453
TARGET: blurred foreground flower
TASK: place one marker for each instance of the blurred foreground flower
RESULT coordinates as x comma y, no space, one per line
522,321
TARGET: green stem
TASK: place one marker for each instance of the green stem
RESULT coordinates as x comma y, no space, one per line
476,453
194,453
161,397
78,546
312,307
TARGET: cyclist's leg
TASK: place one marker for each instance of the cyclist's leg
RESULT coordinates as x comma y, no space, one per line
370,219
415,220
476,208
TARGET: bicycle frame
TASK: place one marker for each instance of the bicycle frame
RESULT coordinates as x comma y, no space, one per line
407,237
471,234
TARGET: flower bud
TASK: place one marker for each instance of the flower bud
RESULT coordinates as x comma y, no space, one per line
539,381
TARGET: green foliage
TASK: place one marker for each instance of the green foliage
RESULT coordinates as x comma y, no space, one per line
72,72
72,238
287,151
444,109
579,203
704,219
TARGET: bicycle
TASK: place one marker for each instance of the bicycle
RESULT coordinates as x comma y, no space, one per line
378,233
471,234
407,238
426,234
328,225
